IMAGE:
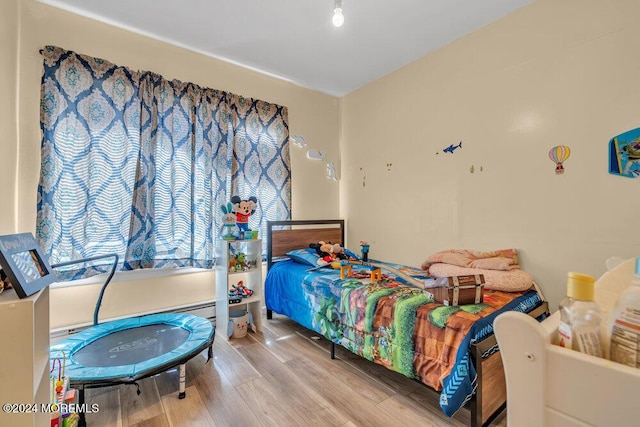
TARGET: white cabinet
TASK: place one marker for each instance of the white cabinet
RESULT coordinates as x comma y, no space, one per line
24,356
551,386
239,261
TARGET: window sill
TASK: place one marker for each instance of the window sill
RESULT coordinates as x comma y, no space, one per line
125,276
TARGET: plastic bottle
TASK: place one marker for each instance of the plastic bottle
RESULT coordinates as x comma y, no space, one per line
580,316
625,331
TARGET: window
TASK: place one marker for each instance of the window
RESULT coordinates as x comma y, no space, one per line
138,165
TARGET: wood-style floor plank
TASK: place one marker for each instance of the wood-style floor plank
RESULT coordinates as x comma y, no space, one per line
283,376
223,401
157,421
136,407
189,411
300,398
110,409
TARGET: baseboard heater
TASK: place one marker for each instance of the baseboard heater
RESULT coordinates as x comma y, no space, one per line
206,310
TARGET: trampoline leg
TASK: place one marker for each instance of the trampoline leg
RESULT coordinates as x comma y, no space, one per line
82,422
182,393
210,353
269,314
333,350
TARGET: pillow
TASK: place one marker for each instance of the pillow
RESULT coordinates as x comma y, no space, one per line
304,256
498,280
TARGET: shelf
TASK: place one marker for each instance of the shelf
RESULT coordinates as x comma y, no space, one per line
249,300
226,277
237,273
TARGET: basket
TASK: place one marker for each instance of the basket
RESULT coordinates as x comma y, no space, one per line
239,321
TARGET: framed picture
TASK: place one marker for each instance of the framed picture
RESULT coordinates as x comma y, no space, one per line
624,154
24,264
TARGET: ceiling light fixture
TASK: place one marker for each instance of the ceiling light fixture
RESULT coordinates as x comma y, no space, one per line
338,17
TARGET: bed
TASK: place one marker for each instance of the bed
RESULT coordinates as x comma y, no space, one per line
393,322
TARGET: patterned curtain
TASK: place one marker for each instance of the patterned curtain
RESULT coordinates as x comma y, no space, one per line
260,161
138,165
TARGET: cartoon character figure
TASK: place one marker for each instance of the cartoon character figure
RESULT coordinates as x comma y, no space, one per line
243,210
632,152
241,262
338,252
229,230
324,250
364,248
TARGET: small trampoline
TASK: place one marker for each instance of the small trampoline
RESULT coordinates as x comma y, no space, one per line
126,350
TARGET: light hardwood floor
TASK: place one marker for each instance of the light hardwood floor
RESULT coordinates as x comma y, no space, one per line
280,377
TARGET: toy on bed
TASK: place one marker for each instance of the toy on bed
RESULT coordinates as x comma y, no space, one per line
328,252
364,249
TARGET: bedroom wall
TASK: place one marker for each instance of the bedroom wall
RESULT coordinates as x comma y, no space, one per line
8,118
311,114
552,73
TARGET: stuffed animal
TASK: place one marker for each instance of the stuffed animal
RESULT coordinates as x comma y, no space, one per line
338,251
229,229
325,251
243,210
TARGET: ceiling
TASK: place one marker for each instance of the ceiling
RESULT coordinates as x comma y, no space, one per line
295,40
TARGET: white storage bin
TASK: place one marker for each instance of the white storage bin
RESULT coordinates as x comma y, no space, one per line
238,323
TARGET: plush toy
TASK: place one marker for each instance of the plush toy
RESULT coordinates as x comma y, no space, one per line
338,251
229,229
243,210
325,251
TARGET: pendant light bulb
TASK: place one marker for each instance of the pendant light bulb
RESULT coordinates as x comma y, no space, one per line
338,17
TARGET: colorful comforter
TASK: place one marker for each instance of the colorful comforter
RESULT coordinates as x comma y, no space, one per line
393,324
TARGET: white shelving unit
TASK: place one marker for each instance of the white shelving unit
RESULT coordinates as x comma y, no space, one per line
228,274
24,367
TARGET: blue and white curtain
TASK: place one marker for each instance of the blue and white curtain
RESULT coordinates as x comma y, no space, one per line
138,165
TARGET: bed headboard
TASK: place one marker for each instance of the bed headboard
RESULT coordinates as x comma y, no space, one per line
284,236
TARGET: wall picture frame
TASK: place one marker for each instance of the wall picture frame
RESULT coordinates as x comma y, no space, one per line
24,264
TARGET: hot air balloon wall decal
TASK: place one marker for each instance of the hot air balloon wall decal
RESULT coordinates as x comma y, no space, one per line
558,155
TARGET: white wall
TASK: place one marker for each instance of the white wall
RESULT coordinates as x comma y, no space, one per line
8,117
552,73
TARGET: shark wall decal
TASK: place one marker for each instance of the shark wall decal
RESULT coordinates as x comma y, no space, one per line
452,147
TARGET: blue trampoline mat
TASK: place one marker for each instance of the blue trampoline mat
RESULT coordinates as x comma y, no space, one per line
129,349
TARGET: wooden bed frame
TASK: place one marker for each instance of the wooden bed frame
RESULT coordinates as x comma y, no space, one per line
490,397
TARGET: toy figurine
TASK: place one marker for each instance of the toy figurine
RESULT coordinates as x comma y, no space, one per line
243,210
229,229
240,290
364,248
